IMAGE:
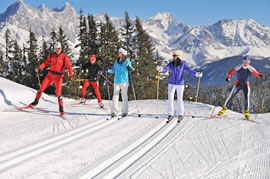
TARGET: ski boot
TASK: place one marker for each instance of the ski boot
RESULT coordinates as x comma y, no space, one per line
61,110
113,115
223,110
83,101
170,117
180,118
101,105
34,103
247,116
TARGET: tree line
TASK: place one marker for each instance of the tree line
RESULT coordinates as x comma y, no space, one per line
102,39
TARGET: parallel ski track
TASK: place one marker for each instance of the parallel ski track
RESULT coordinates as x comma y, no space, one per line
13,159
114,167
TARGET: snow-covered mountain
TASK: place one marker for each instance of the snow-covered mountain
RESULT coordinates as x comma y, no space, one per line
201,44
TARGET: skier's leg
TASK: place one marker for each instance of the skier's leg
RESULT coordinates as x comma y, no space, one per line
85,85
234,91
58,89
96,88
45,83
180,102
246,91
124,90
116,91
171,91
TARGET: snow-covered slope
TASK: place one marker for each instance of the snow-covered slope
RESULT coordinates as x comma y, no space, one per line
40,144
201,45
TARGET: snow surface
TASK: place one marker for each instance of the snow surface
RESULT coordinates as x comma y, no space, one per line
40,144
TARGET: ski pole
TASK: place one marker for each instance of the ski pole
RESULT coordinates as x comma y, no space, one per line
80,72
157,95
134,95
39,82
198,89
106,79
108,90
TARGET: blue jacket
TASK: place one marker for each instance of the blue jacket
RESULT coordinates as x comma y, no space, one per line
121,71
177,71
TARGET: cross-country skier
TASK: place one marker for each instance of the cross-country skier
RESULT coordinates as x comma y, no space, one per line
58,61
120,70
176,83
244,72
94,71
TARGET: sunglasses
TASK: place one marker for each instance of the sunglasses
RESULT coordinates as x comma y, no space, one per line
92,59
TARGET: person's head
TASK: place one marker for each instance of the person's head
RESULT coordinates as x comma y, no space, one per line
122,53
92,59
246,61
58,48
177,54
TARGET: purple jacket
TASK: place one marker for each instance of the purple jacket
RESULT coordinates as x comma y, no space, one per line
176,72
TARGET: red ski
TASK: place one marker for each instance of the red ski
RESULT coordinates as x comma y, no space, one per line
81,104
26,107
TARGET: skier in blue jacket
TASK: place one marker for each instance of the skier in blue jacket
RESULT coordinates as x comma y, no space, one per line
176,82
120,70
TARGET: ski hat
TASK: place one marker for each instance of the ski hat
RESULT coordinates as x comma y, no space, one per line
58,45
177,53
246,59
93,56
123,51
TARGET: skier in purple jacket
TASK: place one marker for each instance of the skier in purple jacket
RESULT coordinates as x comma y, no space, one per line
176,82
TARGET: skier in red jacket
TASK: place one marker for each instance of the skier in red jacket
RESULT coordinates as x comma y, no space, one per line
58,61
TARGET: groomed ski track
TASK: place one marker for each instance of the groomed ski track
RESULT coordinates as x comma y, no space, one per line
40,144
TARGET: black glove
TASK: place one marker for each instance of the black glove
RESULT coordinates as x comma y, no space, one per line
228,79
260,75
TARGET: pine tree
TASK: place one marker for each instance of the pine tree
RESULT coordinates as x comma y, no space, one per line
127,33
62,38
92,35
43,54
144,63
31,75
3,65
8,44
53,40
16,63
83,39
108,49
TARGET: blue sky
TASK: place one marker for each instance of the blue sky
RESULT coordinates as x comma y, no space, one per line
193,12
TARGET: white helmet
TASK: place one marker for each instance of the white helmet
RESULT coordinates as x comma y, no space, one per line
58,45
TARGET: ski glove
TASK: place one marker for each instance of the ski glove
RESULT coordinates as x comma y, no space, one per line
228,79
260,75
159,68
198,74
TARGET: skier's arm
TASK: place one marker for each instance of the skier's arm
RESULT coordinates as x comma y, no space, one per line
230,73
46,62
129,66
188,69
111,70
166,68
69,67
254,72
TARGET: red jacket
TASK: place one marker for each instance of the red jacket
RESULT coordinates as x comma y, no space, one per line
58,63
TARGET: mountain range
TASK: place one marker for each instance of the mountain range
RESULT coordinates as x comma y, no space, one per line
201,44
